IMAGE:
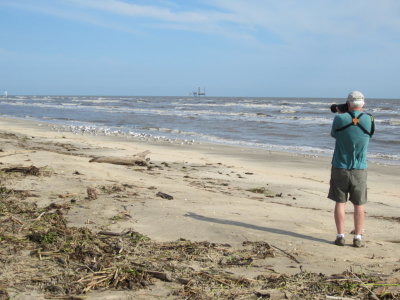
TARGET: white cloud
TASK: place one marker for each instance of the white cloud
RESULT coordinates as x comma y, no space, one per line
160,13
291,21
357,19
70,13
123,16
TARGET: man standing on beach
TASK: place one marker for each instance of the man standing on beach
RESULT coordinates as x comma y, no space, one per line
352,131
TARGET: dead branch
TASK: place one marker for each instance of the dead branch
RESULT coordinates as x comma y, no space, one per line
32,170
109,233
16,220
138,159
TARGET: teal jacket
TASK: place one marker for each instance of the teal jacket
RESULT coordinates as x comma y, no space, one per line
351,143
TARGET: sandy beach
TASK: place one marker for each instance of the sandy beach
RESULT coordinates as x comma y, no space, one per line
221,194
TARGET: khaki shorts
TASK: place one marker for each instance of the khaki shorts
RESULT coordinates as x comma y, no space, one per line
348,185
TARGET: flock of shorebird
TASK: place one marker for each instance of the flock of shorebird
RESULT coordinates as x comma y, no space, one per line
100,131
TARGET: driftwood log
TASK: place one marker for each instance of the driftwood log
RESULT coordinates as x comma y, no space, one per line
32,170
135,160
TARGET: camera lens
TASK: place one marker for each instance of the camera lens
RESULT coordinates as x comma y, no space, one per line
343,107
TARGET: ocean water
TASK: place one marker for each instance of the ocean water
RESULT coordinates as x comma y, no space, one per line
300,125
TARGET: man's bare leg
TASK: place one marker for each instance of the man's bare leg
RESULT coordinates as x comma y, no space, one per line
339,217
358,219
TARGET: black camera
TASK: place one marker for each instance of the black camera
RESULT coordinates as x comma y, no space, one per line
339,107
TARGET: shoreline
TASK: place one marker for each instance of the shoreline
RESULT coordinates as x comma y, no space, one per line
163,140
221,194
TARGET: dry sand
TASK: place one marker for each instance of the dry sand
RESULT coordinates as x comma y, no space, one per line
214,198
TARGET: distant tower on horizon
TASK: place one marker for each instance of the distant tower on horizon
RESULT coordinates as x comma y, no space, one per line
199,92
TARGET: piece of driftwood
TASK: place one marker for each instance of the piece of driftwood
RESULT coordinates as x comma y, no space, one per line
164,196
271,294
124,233
138,159
109,233
16,220
32,170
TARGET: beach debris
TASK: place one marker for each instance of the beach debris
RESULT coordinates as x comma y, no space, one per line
160,275
53,206
19,193
68,262
67,195
138,159
261,249
31,170
236,260
262,190
288,254
164,196
111,189
388,289
392,219
3,294
109,233
274,294
92,193
120,217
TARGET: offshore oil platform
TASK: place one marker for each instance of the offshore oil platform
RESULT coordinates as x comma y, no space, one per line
199,92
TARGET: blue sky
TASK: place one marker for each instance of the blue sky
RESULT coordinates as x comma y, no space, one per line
286,48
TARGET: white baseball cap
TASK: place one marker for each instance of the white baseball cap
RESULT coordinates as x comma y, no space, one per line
356,99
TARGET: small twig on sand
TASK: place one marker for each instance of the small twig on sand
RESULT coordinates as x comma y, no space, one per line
94,283
286,253
16,220
109,233
40,216
36,219
66,297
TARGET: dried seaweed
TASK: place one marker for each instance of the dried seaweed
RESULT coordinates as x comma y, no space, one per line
66,262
